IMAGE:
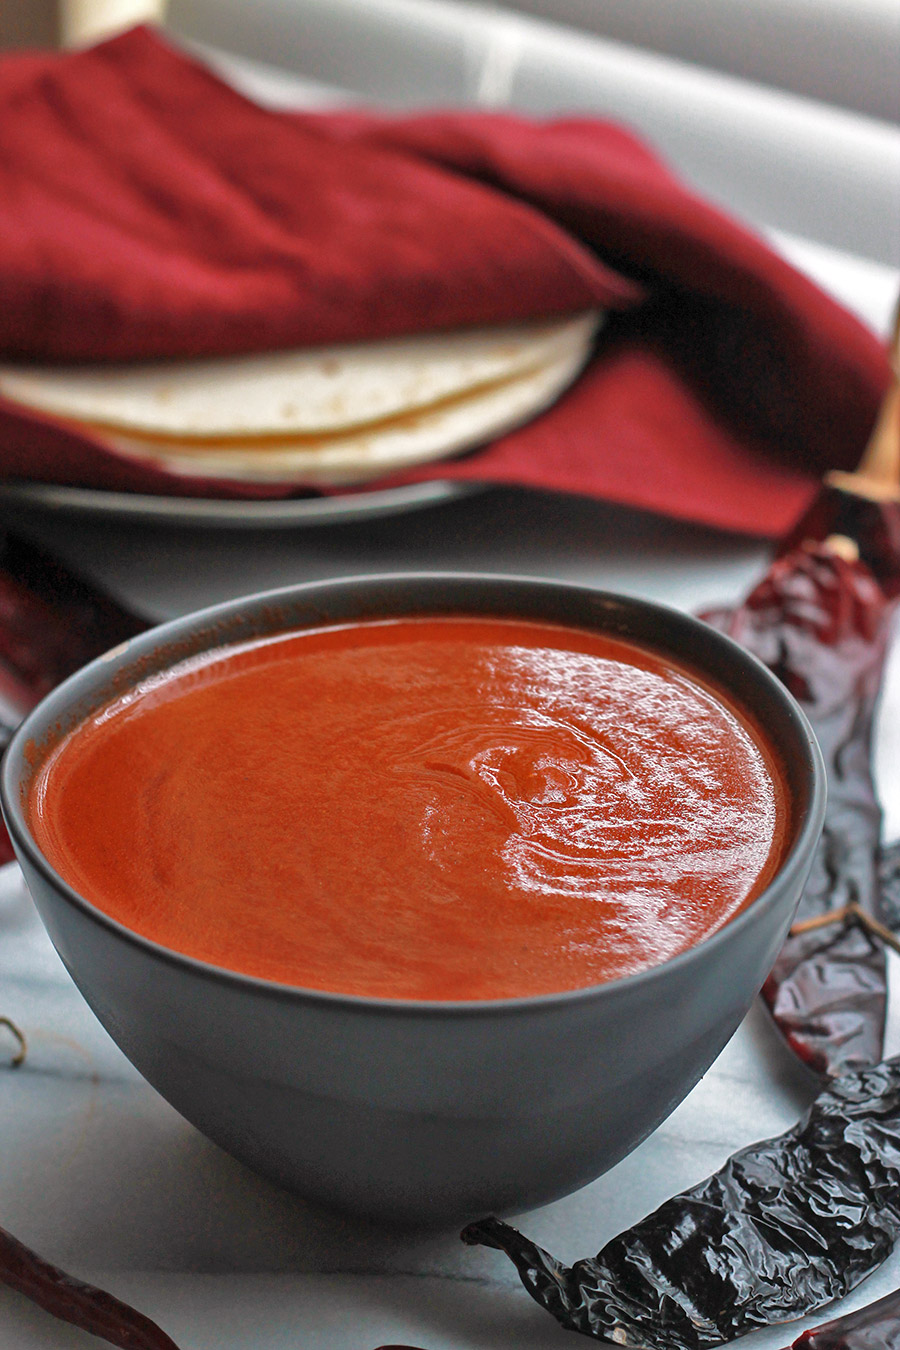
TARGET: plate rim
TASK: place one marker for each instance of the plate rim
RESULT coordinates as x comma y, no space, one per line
235,512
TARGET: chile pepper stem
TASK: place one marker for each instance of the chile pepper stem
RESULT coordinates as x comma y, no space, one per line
19,1057
877,475
844,547
852,912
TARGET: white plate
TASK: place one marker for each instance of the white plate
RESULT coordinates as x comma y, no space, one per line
229,512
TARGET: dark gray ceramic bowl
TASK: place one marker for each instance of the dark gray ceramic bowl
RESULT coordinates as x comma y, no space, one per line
421,1112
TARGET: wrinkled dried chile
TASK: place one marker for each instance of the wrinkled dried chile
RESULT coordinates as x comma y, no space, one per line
51,623
73,1301
875,1327
784,1228
823,625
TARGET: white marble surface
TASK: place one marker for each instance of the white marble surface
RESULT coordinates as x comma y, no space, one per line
103,1177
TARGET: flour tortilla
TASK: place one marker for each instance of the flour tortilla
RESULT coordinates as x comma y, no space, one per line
316,391
364,453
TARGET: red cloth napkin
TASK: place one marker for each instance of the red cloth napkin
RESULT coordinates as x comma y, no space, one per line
148,210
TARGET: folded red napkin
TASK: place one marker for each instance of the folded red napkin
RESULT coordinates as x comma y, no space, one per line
148,210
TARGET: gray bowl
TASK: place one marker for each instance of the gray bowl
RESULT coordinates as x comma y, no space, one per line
421,1112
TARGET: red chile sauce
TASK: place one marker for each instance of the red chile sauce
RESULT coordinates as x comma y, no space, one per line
447,808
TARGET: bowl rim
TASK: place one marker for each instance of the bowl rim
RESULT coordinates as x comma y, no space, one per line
58,704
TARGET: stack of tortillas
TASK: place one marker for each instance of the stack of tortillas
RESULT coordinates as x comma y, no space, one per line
322,417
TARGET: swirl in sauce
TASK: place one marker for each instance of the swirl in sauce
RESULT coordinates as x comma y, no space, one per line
447,808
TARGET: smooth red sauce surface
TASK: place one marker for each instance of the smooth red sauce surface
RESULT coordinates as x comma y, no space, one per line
448,808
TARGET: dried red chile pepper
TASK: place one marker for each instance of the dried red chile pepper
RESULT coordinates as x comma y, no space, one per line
784,1228
823,624
51,622
73,1301
875,1327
